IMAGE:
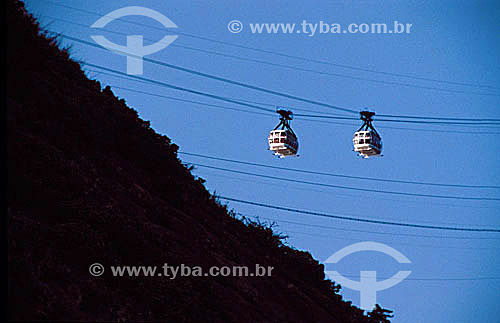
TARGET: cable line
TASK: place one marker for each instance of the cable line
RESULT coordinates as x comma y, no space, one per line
437,279
289,66
287,55
348,187
336,175
492,122
339,195
179,88
238,99
406,129
217,78
439,118
273,105
339,217
438,122
399,244
272,91
373,232
190,101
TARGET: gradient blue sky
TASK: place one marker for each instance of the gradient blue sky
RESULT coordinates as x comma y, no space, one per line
450,40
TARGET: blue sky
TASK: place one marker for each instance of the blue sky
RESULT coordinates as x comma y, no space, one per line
455,41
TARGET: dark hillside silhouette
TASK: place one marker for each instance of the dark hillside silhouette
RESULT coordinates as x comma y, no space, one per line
90,182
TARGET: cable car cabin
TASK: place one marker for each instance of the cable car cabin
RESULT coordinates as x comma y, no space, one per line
367,143
283,142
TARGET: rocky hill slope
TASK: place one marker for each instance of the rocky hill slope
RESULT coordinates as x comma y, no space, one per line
90,182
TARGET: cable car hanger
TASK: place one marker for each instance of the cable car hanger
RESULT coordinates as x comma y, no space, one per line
286,117
367,118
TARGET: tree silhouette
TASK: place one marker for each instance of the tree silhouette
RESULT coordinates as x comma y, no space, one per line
380,315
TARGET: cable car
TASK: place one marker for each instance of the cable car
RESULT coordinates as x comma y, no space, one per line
283,141
367,142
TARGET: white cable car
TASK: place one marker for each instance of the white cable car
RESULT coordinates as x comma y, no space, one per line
283,141
366,140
